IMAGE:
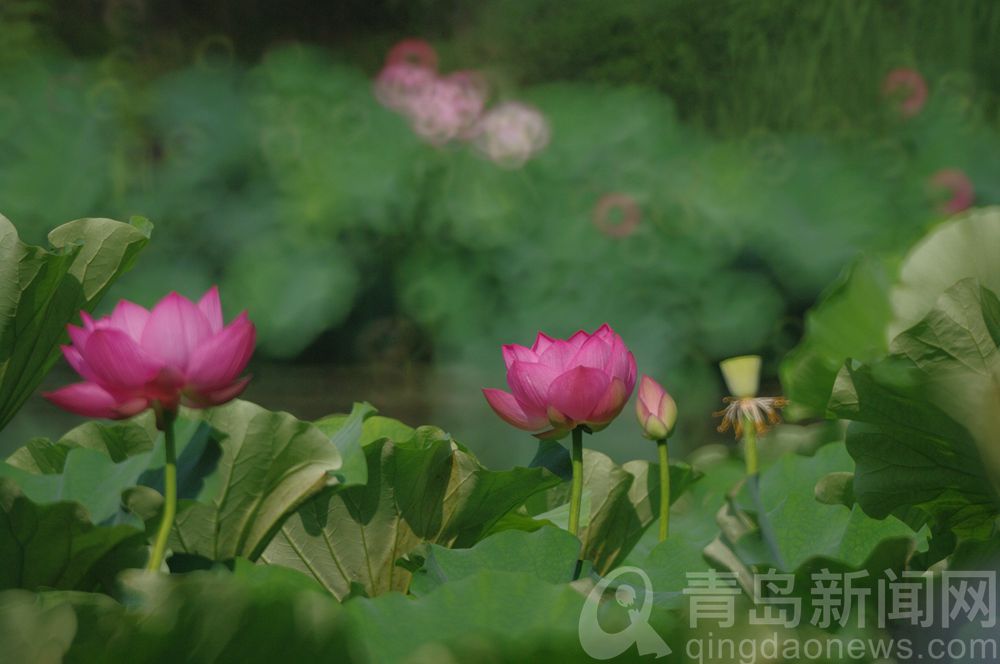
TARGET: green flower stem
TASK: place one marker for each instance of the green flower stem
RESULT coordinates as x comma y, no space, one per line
661,446
170,495
750,447
576,496
753,486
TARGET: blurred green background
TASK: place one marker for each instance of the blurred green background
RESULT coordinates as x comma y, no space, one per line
756,140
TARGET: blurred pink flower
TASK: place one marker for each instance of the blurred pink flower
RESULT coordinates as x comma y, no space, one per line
399,84
557,385
909,82
958,185
628,219
511,133
655,409
448,108
178,353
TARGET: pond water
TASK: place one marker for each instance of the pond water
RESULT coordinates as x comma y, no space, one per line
448,397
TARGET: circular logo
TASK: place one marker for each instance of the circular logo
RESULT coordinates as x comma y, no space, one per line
603,645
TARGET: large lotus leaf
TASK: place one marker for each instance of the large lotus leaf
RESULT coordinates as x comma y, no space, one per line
92,465
349,434
806,536
57,546
964,247
873,303
260,613
498,615
42,290
424,489
251,614
692,528
619,502
849,322
805,529
271,462
957,347
548,553
33,632
923,419
95,462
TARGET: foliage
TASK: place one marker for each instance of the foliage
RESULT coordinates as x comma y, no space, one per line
362,538
619,502
91,465
876,299
421,488
917,349
56,546
788,66
809,534
923,430
244,165
42,290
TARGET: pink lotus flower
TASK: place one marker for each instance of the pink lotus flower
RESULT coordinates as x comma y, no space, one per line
448,108
908,87
399,85
954,182
655,409
439,108
178,353
559,384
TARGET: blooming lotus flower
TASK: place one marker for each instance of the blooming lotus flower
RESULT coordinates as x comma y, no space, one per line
558,385
178,353
655,409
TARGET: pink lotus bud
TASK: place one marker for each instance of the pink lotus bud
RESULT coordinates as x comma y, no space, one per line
511,133
958,185
558,385
909,87
655,409
178,353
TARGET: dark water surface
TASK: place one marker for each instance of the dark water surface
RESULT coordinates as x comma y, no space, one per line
448,397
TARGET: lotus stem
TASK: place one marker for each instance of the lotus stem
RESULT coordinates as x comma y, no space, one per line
750,447
661,446
170,495
576,495
753,486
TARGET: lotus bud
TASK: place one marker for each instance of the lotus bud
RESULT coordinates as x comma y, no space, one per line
655,409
